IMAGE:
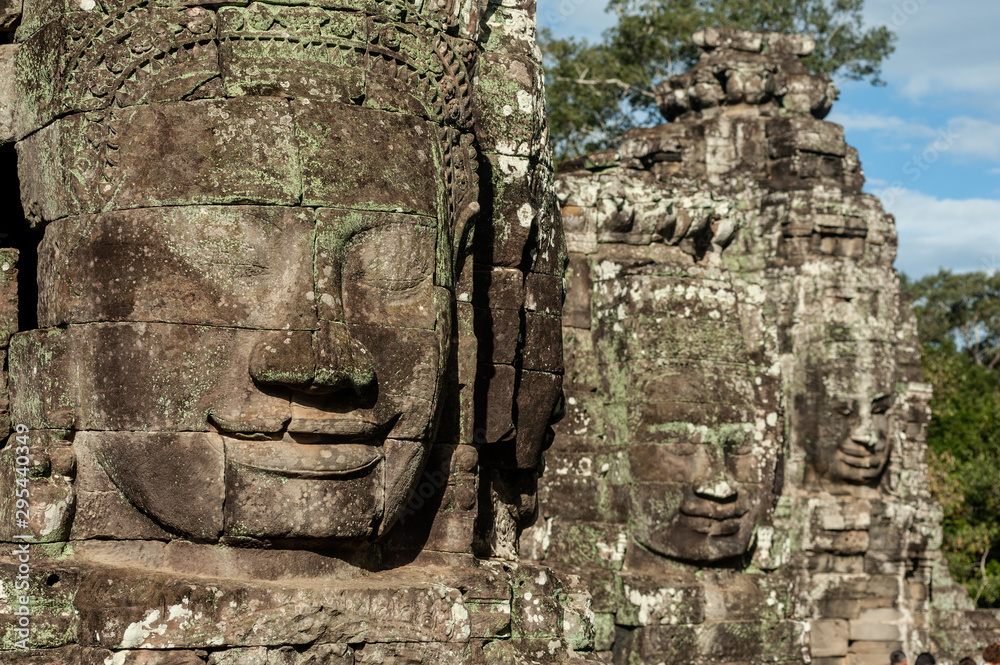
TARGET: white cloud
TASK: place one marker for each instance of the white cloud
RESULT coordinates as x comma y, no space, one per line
976,138
871,122
962,136
943,47
959,234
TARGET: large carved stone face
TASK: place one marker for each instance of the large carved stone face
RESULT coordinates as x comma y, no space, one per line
258,372
246,284
844,419
703,426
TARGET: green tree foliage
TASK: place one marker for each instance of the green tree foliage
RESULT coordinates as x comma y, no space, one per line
959,322
961,309
597,91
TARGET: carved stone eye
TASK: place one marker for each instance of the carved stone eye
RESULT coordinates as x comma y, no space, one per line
881,404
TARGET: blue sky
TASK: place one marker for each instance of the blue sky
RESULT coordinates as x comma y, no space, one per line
929,140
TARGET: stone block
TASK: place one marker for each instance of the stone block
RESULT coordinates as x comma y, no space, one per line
538,397
364,159
8,294
170,154
878,625
8,98
581,544
511,30
175,477
50,593
164,657
870,658
663,599
247,267
68,655
506,226
73,378
264,51
50,500
829,638
543,343
377,654
791,134
535,609
544,294
508,104
120,68
254,614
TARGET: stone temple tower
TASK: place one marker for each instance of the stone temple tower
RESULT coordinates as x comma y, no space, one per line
741,473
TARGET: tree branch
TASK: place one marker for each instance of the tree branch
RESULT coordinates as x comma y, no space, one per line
982,571
627,87
995,361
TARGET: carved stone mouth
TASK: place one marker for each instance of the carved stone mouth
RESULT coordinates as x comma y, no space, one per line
304,460
857,456
713,526
713,519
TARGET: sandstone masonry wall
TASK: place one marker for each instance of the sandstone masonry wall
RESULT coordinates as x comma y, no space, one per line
741,474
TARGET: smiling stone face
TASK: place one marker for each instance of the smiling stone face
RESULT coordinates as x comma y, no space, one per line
845,413
297,357
846,417
702,443
254,370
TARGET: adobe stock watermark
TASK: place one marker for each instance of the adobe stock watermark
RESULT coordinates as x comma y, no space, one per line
920,163
22,513
904,11
563,11
434,479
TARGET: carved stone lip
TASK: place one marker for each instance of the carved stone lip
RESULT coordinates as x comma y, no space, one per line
858,456
713,519
304,460
338,426
713,526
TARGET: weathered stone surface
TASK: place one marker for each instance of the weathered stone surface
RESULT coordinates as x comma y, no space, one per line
369,160
734,331
45,484
138,462
92,60
179,153
247,267
508,98
258,295
10,14
8,99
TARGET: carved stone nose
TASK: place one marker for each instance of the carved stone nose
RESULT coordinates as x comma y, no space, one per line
862,434
719,488
342,362
327,361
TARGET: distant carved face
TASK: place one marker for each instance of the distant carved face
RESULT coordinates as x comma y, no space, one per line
844,419
700,501
259,372
703,424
